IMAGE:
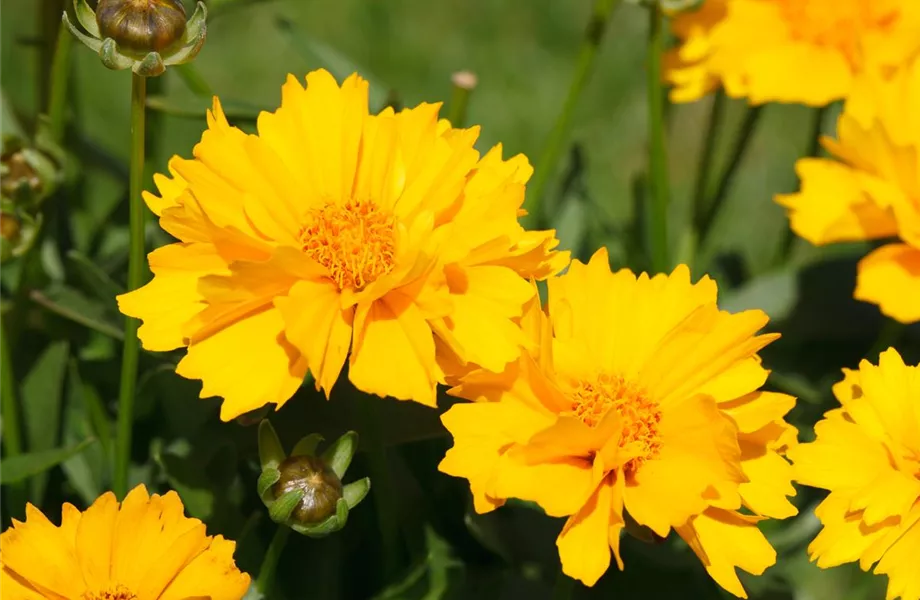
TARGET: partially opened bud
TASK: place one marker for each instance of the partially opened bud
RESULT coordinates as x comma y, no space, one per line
304,490
144,35
141,25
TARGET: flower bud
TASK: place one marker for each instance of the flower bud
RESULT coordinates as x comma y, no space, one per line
304,491
141,25
144,35
321,487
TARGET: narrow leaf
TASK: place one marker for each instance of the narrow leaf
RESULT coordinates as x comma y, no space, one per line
17,468
42,401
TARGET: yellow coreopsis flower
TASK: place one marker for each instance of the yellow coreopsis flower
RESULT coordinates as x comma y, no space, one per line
867,453
801,51
640,396
336,231
871,191
144,549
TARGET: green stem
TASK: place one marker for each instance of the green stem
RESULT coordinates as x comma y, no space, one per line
464,84
12,426
739,148
60,74
546,164
270,562
135,280
888,335
384,494
657,222
714,128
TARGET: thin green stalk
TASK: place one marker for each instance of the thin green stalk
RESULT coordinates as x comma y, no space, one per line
383,492
464,83
739,148
704,167
12,425
549,157
60,74
813,150
657,222
135,280
888,335
270,562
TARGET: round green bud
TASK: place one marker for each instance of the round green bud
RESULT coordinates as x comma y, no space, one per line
141,26
321,486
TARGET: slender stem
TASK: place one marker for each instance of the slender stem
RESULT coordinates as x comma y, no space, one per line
60,74
888,335
135,280
713,129
270,562
12,426
464,84
657,222
549,157
564,586
812,150
738,150
383,492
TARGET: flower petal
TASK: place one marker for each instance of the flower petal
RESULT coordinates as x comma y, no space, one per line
583,544
890,277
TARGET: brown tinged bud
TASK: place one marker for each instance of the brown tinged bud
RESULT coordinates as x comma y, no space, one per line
142,25
322,488
9,227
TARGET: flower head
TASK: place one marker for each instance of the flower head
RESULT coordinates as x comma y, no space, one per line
640,396
304,491
871,190
802,51
334,234
144,35
143,549
867,453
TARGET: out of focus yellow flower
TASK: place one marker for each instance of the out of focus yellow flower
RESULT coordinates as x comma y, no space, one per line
872,190
335,231
867,453
640,396
145,549
801,51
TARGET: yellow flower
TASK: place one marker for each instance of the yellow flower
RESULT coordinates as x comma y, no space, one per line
146,549
331,231
801,51
867,453
871,191
641,396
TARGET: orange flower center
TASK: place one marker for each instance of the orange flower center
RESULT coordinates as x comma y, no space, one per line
840,24
356,241
118,592
639,414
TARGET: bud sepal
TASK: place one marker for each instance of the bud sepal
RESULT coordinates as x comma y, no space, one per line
303,490
116,32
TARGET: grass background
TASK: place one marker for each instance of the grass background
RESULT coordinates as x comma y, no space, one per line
65,360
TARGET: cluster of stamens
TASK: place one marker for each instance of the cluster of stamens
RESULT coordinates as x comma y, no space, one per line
355,241
118,592
640,415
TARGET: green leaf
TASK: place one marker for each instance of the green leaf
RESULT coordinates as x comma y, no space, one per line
87,471
571,225
338,455
197,107
430,579
74,306
18,468
95,279
42,402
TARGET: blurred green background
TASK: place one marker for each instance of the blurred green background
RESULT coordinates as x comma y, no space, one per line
63,326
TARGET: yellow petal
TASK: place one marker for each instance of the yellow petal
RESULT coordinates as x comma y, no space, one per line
94,540
844,537
318,327
699,450
560,487
249,364
724,540
769,482
890,277
583,543
753,411
172,298
900,564
211,574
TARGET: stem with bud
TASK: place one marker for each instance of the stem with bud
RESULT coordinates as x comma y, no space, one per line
135,280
